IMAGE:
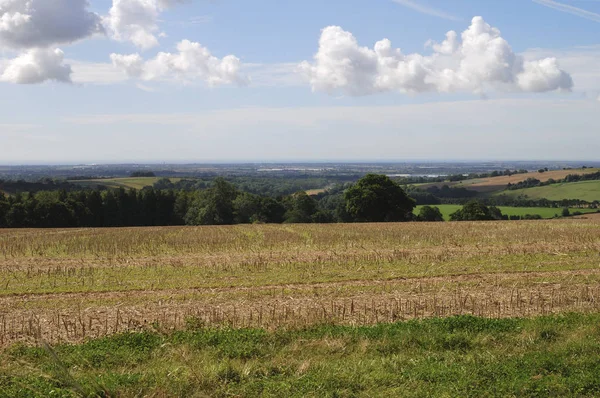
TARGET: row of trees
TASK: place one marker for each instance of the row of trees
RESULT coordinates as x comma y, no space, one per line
374,198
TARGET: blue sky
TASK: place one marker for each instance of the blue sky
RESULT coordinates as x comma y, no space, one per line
225,80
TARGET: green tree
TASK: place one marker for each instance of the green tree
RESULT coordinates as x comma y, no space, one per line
430,214
301,208
476,211
4,207
376,198
214,206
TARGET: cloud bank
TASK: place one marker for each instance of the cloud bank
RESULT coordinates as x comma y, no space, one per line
191,62
479,61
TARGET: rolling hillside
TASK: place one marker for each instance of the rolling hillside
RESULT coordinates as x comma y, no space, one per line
584,190
495,184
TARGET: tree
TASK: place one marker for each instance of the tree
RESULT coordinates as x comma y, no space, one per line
214,206
431,214
476,211
376,198
566,212
4,207
300,208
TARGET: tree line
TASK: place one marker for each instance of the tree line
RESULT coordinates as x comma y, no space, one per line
374,198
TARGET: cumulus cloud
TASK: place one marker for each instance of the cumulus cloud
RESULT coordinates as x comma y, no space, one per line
137,20
45,23
480,60
191,62
37,66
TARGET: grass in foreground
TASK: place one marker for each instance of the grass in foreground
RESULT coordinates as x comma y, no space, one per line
458,356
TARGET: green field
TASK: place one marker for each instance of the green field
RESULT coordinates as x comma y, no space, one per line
461,356
545,212
585,190
128,182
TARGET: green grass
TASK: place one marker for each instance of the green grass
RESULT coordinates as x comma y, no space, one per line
545,212
135,183
460,356
585,190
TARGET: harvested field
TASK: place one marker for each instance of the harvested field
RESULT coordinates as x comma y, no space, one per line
71,285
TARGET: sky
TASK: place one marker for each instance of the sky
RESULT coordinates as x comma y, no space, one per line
193,81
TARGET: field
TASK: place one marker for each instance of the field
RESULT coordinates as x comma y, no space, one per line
545,212
291,309
584,190
494,184
133,182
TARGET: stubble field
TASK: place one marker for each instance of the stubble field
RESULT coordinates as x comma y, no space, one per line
72,285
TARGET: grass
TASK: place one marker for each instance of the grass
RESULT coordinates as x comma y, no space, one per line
456,356
127,182
545,212
584,190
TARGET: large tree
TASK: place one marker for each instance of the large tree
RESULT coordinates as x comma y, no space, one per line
376,198
476,211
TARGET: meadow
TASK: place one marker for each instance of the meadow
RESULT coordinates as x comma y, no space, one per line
544,212
346,309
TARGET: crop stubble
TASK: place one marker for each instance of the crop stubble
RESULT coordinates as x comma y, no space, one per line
69,285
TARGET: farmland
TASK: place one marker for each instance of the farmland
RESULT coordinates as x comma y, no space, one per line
277,309
128,182
68,285
584,190
496,184
544,212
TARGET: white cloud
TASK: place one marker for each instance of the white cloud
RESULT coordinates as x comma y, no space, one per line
37,66
45,23
191,62
423,9
137,20
581,62
479,61
538,76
